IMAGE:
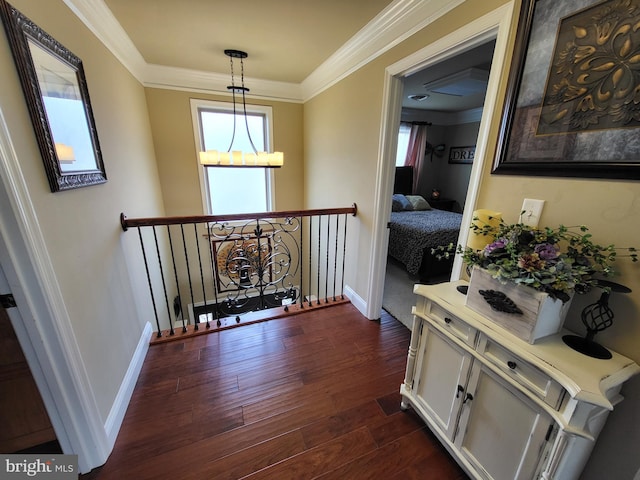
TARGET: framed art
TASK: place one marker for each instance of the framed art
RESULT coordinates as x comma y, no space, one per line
238,263
572,107
462,154
57,97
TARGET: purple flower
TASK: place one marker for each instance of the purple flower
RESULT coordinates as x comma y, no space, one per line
497,245
547,251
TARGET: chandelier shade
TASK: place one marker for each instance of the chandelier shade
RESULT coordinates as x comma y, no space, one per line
240,158
235,158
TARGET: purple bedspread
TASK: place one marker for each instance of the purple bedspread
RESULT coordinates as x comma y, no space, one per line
410,233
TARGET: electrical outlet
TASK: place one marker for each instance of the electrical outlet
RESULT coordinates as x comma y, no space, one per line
531,211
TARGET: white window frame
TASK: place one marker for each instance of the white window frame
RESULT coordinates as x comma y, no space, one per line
266,111
401,155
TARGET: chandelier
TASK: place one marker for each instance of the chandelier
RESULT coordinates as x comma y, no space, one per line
237,158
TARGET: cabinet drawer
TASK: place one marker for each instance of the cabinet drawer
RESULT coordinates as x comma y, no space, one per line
534,379
453,324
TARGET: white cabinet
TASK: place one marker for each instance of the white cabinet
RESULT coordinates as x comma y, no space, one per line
503,408
443,370
477,411
501,431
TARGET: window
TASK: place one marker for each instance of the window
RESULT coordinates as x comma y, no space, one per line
232,190
403,143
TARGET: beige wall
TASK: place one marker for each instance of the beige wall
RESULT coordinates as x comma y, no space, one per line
170,114
611,210
342,129
92,257
99,267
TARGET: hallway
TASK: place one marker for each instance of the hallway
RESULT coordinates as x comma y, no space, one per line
309,396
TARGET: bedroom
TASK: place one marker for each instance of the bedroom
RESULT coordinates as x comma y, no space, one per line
446,101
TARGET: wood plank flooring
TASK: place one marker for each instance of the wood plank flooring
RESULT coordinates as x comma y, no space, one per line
308,396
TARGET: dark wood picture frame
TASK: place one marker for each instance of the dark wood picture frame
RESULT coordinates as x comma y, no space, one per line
62,118
548,129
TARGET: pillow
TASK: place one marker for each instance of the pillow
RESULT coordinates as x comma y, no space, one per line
400,203
418,202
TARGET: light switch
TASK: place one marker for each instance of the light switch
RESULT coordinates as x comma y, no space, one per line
531,211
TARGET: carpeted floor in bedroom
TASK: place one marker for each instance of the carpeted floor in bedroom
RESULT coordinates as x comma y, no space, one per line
398,297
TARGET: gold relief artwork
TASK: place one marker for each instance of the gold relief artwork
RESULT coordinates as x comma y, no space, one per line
594,79
238,261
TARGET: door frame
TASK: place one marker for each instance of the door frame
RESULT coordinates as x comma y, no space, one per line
494,25
41,320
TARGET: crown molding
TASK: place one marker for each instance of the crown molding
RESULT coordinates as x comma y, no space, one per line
442,118
172,78
470,116
98,18
398,21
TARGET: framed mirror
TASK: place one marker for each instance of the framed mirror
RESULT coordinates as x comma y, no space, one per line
56,93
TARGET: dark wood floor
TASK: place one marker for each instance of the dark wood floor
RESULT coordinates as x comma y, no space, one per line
309,396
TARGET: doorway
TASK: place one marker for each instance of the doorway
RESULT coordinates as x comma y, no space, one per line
25,423
448,98
496,26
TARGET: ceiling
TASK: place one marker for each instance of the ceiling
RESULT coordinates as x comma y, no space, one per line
287,41
478,58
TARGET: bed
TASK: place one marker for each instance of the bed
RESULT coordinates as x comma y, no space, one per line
414,229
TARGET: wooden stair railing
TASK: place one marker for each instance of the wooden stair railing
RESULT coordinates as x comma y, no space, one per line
231,269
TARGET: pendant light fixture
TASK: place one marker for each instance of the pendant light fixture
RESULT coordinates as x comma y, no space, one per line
237,158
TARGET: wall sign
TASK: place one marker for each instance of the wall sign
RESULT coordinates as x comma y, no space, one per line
462,154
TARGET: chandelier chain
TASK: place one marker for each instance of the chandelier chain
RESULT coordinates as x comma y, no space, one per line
241,157
244,105
233,93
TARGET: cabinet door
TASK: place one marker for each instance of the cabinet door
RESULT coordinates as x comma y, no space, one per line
443,369
500,430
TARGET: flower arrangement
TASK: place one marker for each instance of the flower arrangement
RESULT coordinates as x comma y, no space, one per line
558,261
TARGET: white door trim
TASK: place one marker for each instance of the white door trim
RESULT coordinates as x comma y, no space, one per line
495,24
41,320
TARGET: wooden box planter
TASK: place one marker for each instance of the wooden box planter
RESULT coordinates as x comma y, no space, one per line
523,311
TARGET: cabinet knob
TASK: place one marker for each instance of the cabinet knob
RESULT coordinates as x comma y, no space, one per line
460,390
511,364
468,397
447,320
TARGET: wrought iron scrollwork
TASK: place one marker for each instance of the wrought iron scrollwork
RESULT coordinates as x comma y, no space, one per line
256,263
246,263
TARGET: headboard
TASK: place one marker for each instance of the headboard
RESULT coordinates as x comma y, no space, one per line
403,182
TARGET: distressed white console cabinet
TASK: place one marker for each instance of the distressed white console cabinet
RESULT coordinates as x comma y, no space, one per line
503,408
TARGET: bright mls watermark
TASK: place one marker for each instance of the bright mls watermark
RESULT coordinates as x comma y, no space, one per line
51,467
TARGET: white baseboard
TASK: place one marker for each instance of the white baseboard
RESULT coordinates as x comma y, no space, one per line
356,300
119,408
